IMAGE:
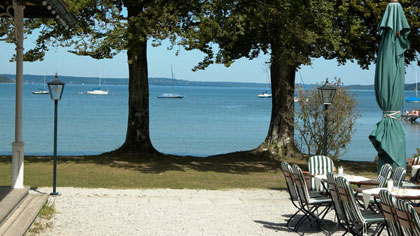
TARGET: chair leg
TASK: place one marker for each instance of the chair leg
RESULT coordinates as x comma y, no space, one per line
326,211
381,226
305,216
290,219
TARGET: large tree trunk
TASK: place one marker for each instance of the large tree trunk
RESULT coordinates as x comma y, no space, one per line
280,138
138,138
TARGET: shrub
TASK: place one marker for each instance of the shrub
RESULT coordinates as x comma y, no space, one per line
309,121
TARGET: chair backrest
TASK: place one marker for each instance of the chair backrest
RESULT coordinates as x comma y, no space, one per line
384,175
416,161
398,176
407,217
338,206
291,186
351,209
301,187
388,210
319,165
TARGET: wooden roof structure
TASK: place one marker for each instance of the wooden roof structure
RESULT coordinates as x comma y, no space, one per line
40,9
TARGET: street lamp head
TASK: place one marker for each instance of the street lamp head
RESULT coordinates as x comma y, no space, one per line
327,93
56,88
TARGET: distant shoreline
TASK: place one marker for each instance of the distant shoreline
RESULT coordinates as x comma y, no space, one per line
39,79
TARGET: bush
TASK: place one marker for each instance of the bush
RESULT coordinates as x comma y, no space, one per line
309,121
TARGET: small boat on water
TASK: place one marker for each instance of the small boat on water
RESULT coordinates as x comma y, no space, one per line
98,90
41,90
171,95
264,94
412,99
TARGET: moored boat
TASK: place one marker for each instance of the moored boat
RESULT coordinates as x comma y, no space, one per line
264,94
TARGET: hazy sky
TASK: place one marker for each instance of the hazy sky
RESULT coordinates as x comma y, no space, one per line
160,60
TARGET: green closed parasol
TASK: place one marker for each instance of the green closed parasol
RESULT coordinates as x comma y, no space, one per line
388,137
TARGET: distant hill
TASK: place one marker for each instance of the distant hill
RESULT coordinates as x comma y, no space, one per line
359,86
124,81
4,79
371,87
39,79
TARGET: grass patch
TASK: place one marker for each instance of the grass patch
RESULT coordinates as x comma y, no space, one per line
42,222
234,170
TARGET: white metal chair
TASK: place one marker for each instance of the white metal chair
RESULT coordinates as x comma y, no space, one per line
398,176
319,165
309,204
389,212
384,175
408,218
359,220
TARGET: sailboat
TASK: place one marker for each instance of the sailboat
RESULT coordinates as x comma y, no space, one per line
265,94
416,98
41,90
98,90
171,95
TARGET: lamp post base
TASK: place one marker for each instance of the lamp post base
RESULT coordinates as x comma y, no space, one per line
54,193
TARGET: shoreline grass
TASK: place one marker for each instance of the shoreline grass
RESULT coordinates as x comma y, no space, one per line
234,170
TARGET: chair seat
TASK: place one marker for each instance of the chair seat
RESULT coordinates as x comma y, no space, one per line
316,194
372,217
320,200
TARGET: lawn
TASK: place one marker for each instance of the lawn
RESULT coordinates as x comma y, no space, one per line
234,170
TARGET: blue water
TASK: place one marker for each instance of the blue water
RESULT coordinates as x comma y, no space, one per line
207,121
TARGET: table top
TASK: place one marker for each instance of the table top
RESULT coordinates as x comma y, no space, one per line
404,193
353,179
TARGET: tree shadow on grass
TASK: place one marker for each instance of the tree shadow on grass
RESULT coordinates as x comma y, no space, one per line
234,163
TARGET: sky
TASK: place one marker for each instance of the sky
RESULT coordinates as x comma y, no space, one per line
160,60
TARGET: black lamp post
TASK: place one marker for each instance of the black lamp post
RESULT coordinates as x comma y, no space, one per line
56,88
326,94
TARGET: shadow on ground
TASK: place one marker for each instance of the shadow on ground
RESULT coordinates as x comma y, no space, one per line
305,228
236,163
233,163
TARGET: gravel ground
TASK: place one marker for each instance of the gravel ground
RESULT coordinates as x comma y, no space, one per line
172,212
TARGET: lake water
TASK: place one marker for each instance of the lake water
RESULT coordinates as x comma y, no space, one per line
209,120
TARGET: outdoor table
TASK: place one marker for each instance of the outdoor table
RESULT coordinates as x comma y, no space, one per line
353,179
403,193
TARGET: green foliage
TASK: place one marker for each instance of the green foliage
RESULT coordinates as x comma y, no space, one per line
417,154
309,121
4,79
106,27
300,30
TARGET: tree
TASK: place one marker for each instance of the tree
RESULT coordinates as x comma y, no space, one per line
105,28
294,32
309,121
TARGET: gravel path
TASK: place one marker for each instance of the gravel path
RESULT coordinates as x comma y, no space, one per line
171,212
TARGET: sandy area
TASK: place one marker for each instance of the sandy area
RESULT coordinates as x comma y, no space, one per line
172,212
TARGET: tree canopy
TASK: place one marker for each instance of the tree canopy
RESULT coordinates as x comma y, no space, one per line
294,32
